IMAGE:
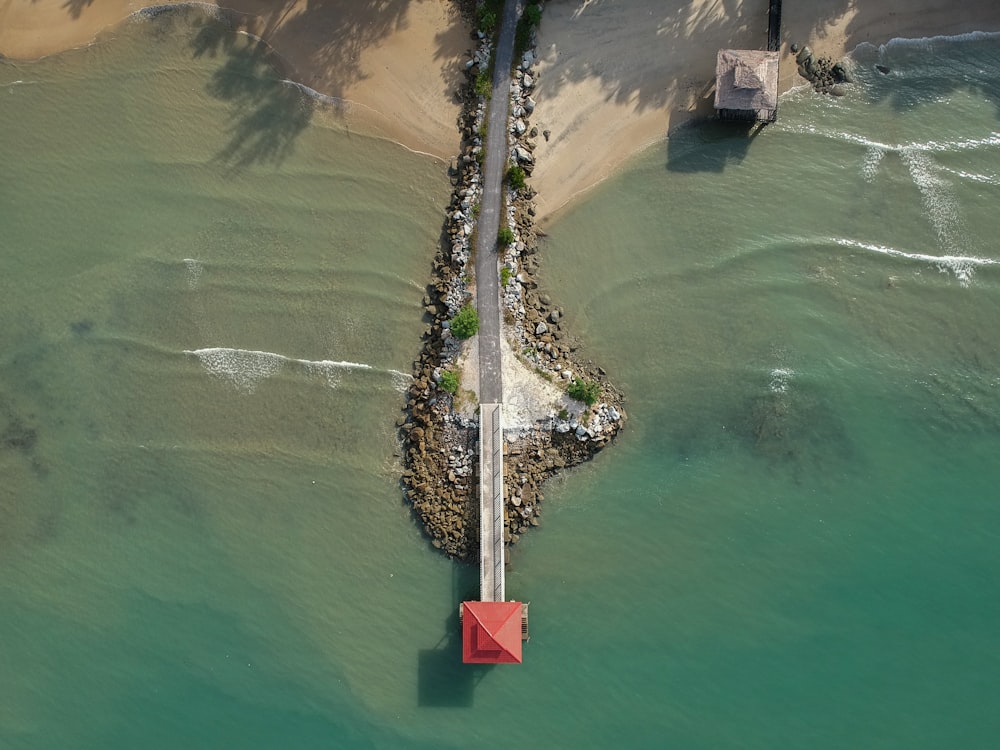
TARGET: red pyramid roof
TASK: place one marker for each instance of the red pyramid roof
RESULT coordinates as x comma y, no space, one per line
491,632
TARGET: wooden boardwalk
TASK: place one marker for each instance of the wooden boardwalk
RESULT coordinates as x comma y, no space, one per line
491,543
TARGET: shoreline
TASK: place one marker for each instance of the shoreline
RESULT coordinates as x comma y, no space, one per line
610,86
377,66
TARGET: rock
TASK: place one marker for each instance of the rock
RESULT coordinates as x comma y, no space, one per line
883,69
837,90
529,105
554,316
546,134
541,328
527,82
519,127
523,155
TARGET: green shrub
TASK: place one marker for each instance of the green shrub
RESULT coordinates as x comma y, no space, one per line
483,85
487,20
505,236
449,381
516,177
584,390
504,276
530,19
465,323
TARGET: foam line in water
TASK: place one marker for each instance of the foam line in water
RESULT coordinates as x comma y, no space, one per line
195,269
246,368
780,379
925,42
963,266
985,179
938,196
964,144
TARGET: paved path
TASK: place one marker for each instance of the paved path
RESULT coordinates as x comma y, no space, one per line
495,164
491,542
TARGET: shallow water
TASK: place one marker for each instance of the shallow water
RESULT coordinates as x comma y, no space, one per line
211,290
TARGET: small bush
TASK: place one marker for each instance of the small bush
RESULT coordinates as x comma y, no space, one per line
505,236
465,323
533,14
483,85
487,20
530,19
584,390
516,177
449,381
504,276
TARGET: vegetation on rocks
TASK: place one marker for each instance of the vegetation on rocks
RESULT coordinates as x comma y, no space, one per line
465,323
505,236
586,391
516,177
449,381
483,85
530,19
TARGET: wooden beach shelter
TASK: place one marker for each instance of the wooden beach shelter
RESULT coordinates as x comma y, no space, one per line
491,632
746,85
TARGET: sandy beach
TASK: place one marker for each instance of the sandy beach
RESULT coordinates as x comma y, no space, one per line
614,75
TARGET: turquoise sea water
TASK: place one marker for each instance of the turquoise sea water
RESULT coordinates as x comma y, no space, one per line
210,289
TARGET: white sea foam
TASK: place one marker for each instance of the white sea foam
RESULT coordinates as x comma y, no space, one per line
780,378
246,368
939,199
873,157
195,269
400,380
986,179
243,368
926,43
963,144
963,266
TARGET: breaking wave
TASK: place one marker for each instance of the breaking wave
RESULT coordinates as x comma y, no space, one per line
962,266
246,368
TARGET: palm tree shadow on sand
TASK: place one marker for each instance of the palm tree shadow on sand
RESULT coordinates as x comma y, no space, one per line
267,112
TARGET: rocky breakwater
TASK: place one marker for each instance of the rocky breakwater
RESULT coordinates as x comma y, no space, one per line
826,76
439,431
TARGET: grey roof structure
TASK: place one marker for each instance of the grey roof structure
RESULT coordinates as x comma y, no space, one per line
747,80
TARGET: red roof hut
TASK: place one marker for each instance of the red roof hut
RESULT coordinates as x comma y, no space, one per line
491,632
